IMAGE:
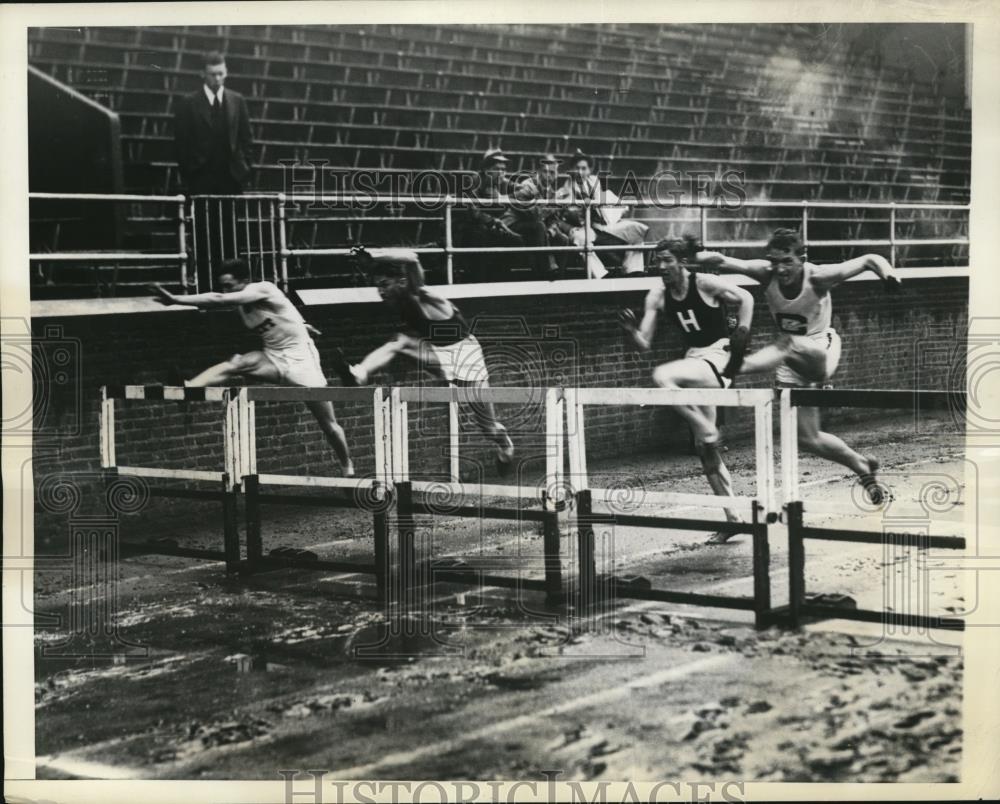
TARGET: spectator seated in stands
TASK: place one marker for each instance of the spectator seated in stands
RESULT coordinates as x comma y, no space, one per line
543,184
608,228
503,225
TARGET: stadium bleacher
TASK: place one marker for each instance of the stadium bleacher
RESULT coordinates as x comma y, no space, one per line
795,113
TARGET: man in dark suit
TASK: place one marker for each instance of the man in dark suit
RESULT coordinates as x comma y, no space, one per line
212,135
214,154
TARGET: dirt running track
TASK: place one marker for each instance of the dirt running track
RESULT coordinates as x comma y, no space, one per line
248,676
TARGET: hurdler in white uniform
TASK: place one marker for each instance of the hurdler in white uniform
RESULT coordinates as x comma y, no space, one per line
805,322
806,340
288,356
282,329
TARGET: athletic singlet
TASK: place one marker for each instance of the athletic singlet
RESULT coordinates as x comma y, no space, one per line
700,323
443,332
806,314
275,319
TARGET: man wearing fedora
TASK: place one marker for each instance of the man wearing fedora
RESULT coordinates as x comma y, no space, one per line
607,226
510,226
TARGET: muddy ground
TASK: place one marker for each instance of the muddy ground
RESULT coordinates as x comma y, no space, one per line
242,677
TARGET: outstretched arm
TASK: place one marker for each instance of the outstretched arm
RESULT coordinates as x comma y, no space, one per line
759,270
829,276
642,334
206,301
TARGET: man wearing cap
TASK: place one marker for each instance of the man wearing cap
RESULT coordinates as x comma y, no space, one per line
607,228
511,226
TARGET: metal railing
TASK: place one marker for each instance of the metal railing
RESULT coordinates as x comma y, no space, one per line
256,226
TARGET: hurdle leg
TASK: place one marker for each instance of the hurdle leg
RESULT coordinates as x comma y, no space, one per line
586,595
230,527
251,502
553,566
380,531
406,528
761,568
796,562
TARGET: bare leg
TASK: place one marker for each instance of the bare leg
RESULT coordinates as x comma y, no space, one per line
485,416
766,359
826,445
252,364
695,373
323,411
719,479
690,374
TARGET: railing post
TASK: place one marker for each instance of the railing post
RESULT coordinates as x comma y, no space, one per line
182,242
586,239
194,241
448,244
892,234
109,459
246,231
232,207
282,240
805,223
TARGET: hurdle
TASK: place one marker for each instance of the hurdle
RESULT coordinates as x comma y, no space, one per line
408,504
762,507
795,508
224,479
373,494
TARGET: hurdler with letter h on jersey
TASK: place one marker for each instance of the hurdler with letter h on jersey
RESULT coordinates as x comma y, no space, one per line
807,350
433,333
289,356
693,303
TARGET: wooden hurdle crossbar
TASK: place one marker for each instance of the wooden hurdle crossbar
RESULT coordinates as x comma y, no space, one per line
226,478
795,509
762,507
550,495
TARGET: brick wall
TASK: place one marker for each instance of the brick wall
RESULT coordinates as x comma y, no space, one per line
545,340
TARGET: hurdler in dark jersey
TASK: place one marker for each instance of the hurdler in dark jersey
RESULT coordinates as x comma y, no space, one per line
434,334
700,324
444,332
709,355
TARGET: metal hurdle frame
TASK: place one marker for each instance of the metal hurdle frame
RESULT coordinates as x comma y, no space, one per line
798,531
407,506
225,479
762,507
251,481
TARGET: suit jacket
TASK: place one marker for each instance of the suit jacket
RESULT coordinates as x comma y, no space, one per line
193,140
